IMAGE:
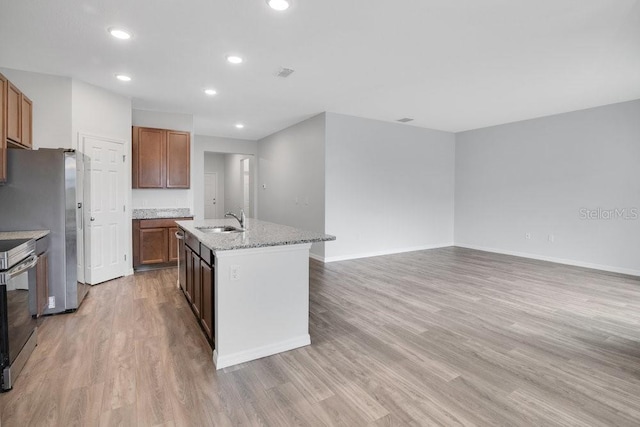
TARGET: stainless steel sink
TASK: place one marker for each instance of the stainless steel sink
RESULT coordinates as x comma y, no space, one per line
220,229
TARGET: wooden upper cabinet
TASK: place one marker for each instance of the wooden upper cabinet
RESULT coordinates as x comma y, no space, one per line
17,117
26,122
161,158
178,159
149,152
4,86
14,116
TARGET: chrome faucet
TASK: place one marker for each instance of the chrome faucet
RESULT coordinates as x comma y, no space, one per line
241,219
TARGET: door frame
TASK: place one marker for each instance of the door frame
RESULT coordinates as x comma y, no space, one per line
126,267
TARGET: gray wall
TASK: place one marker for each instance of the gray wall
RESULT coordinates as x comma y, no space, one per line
291,168
389,187
165,198
535,177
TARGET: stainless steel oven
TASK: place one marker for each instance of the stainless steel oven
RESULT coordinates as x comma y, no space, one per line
18,313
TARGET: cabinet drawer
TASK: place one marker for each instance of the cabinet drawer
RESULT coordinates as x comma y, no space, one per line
206,254
192,242
161,223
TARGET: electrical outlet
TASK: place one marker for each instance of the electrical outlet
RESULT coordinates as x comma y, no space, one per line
52,302
234,272
551,238
527,236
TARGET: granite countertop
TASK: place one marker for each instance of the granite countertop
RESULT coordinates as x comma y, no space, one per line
160,213
13,235
258,234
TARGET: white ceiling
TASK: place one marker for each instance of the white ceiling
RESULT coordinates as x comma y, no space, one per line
449,64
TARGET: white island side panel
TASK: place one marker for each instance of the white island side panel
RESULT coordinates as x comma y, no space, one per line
266,310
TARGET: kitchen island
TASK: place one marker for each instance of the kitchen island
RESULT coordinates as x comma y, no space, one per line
250,289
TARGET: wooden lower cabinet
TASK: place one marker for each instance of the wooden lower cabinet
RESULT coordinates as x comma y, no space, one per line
196,294
188,286
198,284
153,246
155,242
207,278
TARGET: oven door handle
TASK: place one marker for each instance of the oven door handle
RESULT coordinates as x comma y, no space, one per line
22,267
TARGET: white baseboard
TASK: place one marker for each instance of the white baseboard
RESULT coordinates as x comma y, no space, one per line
386,252
259,352
572,262
316,257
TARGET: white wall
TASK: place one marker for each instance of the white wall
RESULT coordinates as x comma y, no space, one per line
165,198
292,167
535,176
51,96
389,187
233,188
98,112
212,144
214,162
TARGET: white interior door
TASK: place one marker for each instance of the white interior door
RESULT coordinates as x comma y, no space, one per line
211,195
105,215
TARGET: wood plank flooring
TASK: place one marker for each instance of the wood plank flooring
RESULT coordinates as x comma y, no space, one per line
440,337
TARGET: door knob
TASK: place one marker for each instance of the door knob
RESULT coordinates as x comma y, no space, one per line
93,219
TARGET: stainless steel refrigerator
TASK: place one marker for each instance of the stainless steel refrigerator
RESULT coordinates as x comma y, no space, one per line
42,193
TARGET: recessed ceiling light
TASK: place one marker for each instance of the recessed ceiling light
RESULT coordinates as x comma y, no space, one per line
279,5
210,92
239,125
119,33
235,59
123,77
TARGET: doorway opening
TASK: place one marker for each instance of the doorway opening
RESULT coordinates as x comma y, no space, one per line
229,181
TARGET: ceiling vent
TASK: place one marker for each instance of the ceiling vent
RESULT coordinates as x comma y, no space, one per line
404,120
284,72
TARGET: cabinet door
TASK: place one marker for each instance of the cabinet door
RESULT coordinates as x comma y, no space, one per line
153,245
173,243
196,296
149,154
207,278
188,290
14,118
182,271
26,122
4,86
178,159
42,283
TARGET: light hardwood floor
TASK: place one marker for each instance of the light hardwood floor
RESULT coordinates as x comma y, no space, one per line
440,337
